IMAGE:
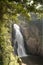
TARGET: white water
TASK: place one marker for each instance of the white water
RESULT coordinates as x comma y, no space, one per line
19,38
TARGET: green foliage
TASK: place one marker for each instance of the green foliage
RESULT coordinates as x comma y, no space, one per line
6,50
41,1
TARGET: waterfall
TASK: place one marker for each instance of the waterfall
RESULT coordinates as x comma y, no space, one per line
20,41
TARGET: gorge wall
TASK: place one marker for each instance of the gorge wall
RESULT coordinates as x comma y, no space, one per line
32,33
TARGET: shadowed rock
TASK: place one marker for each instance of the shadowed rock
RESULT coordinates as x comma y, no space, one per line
32,33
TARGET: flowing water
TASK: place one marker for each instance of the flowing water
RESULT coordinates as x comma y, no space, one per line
26,59
20,41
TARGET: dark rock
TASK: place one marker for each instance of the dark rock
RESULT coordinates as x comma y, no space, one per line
32,33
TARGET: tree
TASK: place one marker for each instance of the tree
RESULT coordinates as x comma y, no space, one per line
6,51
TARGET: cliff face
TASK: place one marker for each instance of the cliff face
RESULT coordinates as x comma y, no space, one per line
32,33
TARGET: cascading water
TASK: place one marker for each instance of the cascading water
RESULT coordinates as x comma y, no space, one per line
19,38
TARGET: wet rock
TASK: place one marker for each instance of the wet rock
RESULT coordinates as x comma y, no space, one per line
33,37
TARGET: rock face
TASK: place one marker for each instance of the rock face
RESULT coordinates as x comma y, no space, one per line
32,33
